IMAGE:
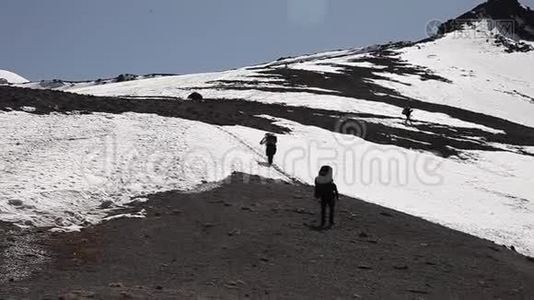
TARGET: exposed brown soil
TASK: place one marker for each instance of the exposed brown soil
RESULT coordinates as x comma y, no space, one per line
255,238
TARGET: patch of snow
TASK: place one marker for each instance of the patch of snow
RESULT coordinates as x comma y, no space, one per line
63,167
28,109
139,215
310,66
11,77
335,64
523,4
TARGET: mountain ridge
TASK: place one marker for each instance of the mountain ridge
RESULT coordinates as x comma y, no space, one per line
510,17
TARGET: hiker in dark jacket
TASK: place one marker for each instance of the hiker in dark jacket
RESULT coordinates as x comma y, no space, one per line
270,141
407,111
326,190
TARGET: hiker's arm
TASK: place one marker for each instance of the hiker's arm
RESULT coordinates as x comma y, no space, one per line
263,141
336,192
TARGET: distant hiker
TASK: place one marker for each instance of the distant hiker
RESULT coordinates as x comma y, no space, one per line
270,141
326,190
407,111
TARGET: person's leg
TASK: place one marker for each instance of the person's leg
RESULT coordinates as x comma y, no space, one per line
323,212
271,150
332,205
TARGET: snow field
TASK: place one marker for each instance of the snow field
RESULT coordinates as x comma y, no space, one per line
57,170
11,77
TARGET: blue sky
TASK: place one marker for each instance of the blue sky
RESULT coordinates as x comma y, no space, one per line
75,39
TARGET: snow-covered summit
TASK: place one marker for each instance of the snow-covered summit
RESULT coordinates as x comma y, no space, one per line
10,77
513,19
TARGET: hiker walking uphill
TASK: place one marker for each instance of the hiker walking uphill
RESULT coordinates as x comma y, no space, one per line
407,111
269,140
326,190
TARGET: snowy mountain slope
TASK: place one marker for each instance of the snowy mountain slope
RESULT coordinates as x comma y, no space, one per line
58,169
10,77
381,82
58,84
484,78
473,65
456,85
466,162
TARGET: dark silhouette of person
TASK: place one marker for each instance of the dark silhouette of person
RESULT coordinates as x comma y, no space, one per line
326,190
407,111
270,141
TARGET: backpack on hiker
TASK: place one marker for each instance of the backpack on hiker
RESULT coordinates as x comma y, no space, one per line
325,188
270,141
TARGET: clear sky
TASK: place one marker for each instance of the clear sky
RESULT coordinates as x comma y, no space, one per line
77,39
